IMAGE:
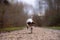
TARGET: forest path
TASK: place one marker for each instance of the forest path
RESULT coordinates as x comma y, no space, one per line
38,34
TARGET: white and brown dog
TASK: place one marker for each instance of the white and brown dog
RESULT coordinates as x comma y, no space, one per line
30,23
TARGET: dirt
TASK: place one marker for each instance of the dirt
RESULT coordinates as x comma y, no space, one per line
38,34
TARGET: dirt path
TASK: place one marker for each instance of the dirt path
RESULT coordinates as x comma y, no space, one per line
38,34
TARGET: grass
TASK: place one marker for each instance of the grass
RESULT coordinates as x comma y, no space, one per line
8,29
56,28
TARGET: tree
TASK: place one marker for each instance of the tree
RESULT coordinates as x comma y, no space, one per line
12,15
3,6
52,15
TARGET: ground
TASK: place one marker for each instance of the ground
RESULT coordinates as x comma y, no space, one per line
38,34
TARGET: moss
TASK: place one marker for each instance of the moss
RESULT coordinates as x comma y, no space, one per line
56,28
8,29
